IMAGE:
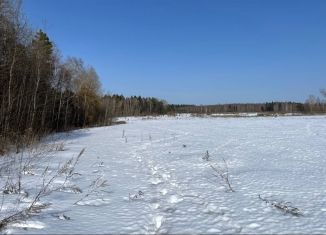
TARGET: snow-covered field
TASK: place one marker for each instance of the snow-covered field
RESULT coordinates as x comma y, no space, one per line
158,181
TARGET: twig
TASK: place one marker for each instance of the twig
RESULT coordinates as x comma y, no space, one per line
283,206
223,174
93,188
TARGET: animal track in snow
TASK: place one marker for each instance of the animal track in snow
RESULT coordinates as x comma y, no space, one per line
253,225
175,199
155,206
158,221
156,181
164,191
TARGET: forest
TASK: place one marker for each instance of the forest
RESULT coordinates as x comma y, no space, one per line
41,92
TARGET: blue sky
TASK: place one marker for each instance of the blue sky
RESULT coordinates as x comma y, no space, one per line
194,51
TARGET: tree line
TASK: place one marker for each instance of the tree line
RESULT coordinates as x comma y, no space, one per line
313,105
118,105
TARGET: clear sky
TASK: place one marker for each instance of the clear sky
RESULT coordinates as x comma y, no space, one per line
194,51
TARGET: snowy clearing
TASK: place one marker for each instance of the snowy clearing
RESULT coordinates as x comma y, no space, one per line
159,180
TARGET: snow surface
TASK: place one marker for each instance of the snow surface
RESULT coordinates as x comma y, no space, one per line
159,183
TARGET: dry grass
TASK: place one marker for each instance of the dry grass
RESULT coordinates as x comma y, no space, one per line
283,206
14,169
221,171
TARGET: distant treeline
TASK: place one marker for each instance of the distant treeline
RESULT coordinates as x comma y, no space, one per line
270,107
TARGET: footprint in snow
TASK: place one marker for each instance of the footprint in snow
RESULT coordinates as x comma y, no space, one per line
166,176
155,205
175,199
156,181
213,209
158,220
213,230
170,209
253,225
154,170
164,191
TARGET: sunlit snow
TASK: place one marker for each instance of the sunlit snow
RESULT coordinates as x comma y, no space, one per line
158,181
